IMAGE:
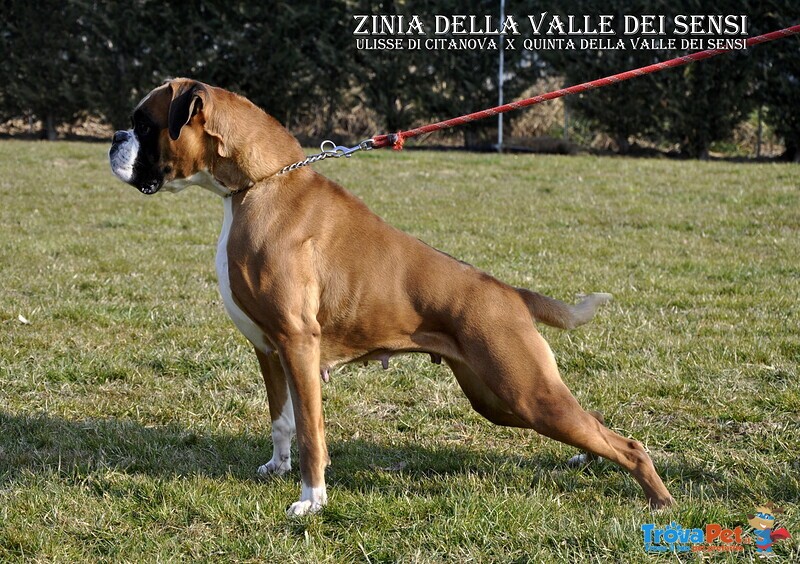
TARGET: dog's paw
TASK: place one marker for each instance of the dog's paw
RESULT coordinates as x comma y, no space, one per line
300,508
661,503
311,501
273,468
583,459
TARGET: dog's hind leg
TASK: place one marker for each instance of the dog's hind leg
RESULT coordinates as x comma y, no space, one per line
281,413
486,403
482,399
517,384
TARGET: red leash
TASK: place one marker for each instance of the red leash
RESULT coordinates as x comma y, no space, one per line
398,139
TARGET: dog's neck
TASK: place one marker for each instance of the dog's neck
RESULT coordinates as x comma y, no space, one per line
239,158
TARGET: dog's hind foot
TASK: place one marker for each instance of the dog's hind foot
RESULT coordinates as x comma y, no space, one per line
586,458
583,459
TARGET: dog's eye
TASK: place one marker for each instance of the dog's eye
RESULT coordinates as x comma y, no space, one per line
140,126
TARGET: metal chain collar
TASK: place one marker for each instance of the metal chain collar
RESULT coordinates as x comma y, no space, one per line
328,149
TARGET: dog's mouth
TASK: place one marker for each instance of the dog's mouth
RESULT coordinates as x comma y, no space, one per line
134,164
149,188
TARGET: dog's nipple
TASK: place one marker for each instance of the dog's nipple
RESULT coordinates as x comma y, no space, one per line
385,361
325,375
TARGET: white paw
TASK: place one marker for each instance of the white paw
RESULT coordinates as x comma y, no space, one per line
300,508
311,501
583,459
273,468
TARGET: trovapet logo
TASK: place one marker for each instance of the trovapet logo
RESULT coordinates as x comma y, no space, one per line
713,537
675,538
764,530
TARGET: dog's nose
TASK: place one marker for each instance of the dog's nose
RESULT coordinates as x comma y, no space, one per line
120,136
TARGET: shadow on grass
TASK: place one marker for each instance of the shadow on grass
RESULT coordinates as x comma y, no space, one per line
43,444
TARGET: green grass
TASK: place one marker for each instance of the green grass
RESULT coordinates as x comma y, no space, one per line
132,415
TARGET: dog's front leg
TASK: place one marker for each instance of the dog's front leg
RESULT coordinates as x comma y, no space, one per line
281,413
299,351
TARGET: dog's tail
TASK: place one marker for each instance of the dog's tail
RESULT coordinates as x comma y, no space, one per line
556,313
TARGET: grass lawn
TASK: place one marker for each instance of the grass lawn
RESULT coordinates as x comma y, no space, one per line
133,417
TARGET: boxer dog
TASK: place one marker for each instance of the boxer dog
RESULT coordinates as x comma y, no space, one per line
314,280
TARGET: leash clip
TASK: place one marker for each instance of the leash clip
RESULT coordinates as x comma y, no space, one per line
331,149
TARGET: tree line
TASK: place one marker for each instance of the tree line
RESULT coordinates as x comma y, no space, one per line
298,60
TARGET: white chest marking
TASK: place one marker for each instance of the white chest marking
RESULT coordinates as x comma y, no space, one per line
201,178
240,318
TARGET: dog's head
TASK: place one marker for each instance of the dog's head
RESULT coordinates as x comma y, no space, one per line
167,140
185,132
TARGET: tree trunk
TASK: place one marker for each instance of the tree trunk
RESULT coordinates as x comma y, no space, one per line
50,128
623,145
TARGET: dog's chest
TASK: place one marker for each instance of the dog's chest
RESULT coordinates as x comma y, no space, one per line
240,318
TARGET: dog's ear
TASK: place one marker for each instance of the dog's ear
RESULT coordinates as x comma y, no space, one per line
188,98
219,125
